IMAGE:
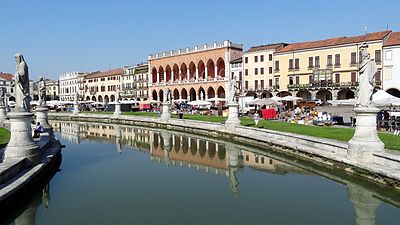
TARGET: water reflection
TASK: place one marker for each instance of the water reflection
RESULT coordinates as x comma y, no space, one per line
210,156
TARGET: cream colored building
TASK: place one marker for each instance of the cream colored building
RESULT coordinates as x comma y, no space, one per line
135,82
102,86
258,65
391,64
326,69
52,89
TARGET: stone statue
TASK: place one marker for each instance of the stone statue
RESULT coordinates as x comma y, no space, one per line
201,96
232,89
166,95
366,81
2,96
76,97
21,84
117,95
42,92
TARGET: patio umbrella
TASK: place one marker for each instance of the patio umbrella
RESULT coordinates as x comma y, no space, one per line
343,102
382,98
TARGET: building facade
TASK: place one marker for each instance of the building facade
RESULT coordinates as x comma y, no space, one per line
259,69
135,82
102,86
201,72
326,69
52,89
5,84
391,64
68,85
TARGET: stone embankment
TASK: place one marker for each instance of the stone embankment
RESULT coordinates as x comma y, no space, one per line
384,168
17,174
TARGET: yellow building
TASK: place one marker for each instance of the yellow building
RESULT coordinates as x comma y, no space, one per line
258,65
326,69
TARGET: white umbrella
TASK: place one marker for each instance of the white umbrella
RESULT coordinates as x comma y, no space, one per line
199,103
276,98
266,101
290,98
382,98
216,99
96,103
343,102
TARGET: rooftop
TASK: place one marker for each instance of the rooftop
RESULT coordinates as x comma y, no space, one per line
334,41
267,47
197,48
113,72
393,39
6,76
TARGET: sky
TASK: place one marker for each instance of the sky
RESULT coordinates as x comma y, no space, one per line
59,36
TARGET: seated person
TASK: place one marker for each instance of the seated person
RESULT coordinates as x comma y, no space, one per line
38,129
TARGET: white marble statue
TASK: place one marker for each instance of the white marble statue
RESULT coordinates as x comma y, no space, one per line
21,84
366,80
42,92
2,96
118,95
232,89
76,97
166,95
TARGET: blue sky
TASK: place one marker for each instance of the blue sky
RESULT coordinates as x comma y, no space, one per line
58,36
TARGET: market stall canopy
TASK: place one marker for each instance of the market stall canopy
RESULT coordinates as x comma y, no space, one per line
149,102
382,98
199,103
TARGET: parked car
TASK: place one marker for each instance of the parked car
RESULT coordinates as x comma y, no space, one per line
318,102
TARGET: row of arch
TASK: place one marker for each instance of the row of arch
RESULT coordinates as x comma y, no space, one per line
102,99
322,94
183,145
191,71
192,94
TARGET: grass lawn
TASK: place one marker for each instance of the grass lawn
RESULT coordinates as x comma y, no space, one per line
4,136
335,133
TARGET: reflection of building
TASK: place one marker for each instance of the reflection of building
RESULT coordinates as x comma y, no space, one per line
192,152
262,162
101,86
191,73
135,82
391,64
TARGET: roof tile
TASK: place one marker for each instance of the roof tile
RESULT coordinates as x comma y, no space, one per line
334,41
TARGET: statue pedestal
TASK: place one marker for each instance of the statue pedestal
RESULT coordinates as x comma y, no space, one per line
41,116
233,116
117,111
3,114
365,141
166,112
21,143
76,108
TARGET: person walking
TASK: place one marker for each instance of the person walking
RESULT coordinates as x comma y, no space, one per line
256,117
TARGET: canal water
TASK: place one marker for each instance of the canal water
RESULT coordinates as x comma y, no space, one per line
113,174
